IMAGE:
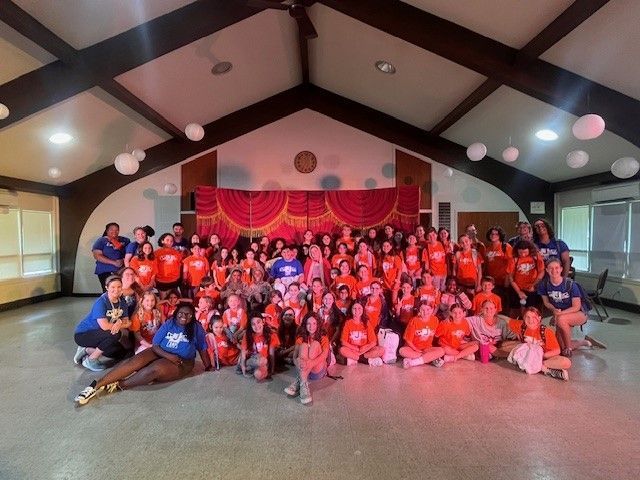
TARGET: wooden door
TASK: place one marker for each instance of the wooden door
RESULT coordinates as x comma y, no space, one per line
484,220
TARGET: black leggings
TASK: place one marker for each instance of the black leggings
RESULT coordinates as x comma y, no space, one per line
104,340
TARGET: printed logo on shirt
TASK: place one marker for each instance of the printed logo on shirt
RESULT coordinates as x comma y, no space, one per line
358,336
436,256
168,259
174,339
458,333
386,266
197,264
366,291
490,255
412,259
424,332
525,268
558,296
548,252
114,314
287,270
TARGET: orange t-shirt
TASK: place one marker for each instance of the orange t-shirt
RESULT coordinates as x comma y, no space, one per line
219,273
428,293
550,343
347,280
452,334
203,317
481,297
147,325
373,308
348,241
246,265
338,257
298,308
145,269
210,292
259,346
467,271
367,259
324,342
235,318
363,288
496,262
197,269
169,264
420,332
391,267
435,259
272,315
357,334
412,259
407,305
525,271
343,305
228,353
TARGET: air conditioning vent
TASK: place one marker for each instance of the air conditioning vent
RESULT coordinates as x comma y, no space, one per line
616,192
444,215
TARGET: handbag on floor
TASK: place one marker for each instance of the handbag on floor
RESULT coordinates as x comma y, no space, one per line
389,340
527,356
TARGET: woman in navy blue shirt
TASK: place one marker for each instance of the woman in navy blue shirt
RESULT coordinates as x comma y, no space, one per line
171,357
109,251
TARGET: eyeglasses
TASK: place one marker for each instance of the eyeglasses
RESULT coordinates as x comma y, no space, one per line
184,315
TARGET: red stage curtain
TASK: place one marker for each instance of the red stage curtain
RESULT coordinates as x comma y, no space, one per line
232,213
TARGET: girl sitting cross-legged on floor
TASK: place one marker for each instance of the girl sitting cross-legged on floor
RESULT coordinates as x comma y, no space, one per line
257,352
453,334
359,341
418,346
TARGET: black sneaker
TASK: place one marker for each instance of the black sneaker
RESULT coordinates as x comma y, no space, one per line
87,394
558,373
566,353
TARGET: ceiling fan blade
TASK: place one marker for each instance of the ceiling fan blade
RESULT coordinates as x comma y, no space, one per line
307,29
275,5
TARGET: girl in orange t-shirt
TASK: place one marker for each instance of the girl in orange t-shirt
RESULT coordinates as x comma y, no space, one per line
222,350
364,257
205,311
411,258
526,271
418,346
194,268
273,310
390,266
404,303
358,340
169,263
531,330
453,333
310,357
345,278
363,287
434,257
340,256
220,267
234,317
145,321
286,337
246,265
145,265
375,307
257,351
467,266
427,292
344,300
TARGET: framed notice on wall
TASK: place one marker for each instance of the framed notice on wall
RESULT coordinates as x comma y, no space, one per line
537,207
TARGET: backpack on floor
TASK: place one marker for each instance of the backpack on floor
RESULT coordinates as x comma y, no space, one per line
389,340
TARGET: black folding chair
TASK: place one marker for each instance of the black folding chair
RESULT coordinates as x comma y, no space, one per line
594,296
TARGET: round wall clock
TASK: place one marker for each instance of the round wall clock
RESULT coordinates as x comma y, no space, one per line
305,162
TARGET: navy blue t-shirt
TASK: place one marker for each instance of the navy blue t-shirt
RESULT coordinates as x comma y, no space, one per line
281,268
172,339
103,308
559,295
552,249
108,250
132,248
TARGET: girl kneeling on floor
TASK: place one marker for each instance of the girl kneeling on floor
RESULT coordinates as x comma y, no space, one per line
171,357
453,334
257,351
310,357
539,350
358,339
418,346
222,349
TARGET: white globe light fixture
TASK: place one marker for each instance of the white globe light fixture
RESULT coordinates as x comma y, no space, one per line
448,172
194,132
55,172
510,154
139,154
588,127
126,164
170,188
625,167
4,111
476,151
577,158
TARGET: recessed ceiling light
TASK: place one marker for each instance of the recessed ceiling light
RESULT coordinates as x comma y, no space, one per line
221,68
60,138
547,135
385,67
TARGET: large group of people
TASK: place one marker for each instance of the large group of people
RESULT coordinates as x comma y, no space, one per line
352,298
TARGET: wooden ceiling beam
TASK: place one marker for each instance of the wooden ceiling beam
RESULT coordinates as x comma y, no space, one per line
537,78
105,60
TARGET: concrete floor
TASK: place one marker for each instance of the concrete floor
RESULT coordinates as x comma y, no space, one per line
465,420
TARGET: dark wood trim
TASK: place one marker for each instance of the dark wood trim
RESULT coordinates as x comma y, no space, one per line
23,302
76,206
522,187
595,180
304,57
478,95
58,81
123,95
18,184
566,22
537,78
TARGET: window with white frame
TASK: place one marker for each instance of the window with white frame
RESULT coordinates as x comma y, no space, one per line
604,236
27,245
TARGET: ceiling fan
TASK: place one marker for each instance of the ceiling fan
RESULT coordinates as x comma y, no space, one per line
297,9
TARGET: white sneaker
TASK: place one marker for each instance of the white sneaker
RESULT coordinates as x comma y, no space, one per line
471,358
351,362
81,352
87,394
376,362
406,363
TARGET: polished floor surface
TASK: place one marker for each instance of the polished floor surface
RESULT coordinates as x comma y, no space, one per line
465,420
